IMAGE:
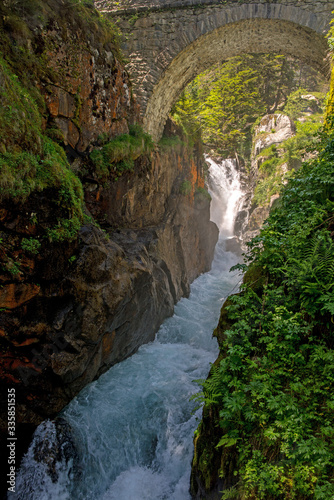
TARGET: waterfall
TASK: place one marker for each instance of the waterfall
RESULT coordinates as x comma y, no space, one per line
225,190
133,428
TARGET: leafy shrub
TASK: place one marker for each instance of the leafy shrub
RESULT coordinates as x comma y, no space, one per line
31,245
272,390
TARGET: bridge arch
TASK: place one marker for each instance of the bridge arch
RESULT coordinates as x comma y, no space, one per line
168,47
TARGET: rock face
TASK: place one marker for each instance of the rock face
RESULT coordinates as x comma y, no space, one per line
101,297
272,130
90,92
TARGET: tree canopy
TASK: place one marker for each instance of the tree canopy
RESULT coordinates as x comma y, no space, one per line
223,103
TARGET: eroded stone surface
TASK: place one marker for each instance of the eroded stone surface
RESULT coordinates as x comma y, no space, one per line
273,129
91,91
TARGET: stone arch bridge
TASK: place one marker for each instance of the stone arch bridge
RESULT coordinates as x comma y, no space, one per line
169,42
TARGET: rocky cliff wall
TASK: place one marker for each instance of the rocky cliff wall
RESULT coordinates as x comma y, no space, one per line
271,131
280,143
73,303
101,296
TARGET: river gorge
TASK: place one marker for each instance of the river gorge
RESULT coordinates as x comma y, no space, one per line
132,429
119,223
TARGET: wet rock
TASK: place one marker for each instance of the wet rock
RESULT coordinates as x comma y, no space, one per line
272,129
233,245
52,453
53,444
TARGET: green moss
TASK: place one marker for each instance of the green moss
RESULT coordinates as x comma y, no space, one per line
185,188
203,193
170,142
20,119
30,161
118,155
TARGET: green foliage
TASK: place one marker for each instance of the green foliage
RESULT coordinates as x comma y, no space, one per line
222,104
203,192
273,387
20,19
185,188
133,19
31,245
12,267
297,106
20,119
170,142
23,173
279,162
118,155
55,134
31,162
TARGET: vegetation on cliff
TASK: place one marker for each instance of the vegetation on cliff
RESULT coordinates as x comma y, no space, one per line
270,393
278,162
44,48
118,155
31,162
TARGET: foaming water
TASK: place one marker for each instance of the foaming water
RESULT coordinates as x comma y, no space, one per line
133,427
224,178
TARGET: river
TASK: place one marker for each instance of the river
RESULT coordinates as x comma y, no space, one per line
133,427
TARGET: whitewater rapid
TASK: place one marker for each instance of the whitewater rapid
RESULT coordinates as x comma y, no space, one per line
133,427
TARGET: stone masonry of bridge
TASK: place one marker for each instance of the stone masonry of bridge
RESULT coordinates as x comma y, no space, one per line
168,43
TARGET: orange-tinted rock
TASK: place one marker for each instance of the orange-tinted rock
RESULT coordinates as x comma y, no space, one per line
10,362
3,214
92,89
14,295
107,344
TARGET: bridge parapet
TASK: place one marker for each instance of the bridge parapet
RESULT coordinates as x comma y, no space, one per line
131,6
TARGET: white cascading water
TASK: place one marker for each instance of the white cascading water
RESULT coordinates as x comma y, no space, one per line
225,190
134,426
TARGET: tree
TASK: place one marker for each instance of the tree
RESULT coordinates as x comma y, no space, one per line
224,102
